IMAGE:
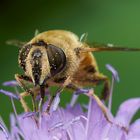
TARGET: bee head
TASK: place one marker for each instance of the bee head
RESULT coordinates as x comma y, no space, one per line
41,61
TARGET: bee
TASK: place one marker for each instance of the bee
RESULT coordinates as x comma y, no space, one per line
59,57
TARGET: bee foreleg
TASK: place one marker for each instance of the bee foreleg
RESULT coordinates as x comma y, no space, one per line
23,103
21,79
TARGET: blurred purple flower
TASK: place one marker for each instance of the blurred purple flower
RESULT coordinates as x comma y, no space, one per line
72,123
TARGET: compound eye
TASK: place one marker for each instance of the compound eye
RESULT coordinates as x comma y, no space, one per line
24,51
57,59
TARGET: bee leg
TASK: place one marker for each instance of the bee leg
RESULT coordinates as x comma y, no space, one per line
96,98
20,79
106,87
50,102
72,87
59,90
42,92
102,106
97,79
23,103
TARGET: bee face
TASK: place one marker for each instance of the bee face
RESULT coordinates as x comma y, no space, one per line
41,61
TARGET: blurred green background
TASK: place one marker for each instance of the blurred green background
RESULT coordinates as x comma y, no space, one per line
105,21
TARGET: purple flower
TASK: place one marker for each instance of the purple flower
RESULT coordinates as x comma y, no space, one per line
72,123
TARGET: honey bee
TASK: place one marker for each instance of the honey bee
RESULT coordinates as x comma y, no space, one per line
58,57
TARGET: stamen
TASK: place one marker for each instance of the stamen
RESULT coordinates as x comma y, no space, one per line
10,94
115,77
74,120
12,83
14,108
55,138
18,133
111,94
29,114
74,99
76,95
113,71
56,102
65,125
57,125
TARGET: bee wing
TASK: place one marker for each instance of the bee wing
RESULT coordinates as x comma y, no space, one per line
107,47
16,43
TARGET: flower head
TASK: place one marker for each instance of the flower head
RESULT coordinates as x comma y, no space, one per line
72,123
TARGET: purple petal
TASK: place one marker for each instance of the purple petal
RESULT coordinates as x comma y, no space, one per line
55,102
12,83
113,71
2,136
134,130
126,111
75,110
4,131
10,94
76,131
28,126
97,126
16,134
115,133
96,118
74,99
95,115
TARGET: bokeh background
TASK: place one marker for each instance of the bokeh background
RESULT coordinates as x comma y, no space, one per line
105,21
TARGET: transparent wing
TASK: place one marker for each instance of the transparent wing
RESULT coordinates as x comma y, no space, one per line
16,43
97,47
